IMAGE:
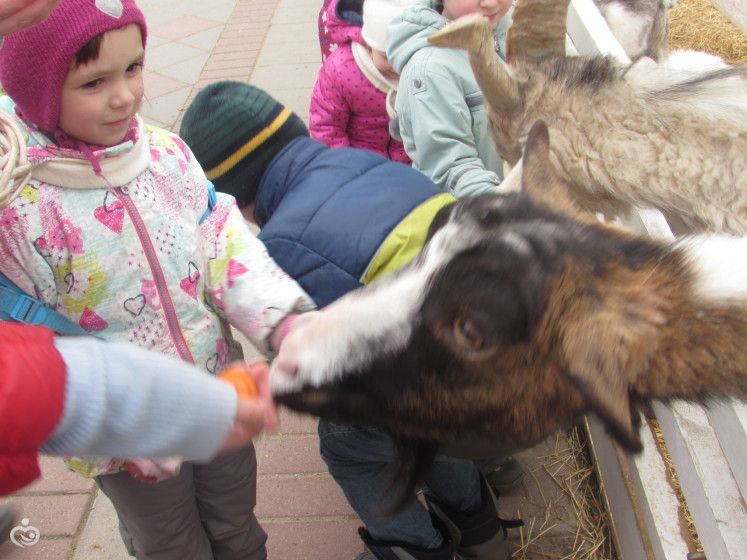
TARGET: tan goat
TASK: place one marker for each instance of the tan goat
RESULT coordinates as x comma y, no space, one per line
671,136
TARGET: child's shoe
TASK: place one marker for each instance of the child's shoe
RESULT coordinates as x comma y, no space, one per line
508,474
386,550
480,535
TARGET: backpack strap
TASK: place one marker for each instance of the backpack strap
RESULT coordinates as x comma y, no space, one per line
212,201
16,305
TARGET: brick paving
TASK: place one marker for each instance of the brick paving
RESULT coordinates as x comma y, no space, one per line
302,509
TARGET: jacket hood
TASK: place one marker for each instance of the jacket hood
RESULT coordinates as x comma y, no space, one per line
409,32
344,21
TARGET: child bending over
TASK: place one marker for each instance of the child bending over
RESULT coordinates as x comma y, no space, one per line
336,219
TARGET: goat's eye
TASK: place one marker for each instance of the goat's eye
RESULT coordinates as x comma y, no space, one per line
466,333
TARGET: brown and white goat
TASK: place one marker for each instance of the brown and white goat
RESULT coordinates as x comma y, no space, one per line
671,136
520,314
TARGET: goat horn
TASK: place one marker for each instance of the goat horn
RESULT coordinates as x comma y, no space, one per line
474,34
538,30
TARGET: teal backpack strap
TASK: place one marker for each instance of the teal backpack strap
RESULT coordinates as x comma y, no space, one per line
16,305
212,201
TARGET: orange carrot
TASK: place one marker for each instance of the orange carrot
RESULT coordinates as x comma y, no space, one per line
237,375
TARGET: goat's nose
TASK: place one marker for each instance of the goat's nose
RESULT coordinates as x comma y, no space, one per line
285,365
284,375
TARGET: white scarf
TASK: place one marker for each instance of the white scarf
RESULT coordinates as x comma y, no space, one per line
362,57
63,172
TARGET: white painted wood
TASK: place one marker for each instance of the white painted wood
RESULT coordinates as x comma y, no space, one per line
649,221
589,31
652,472
621,497
729,420
707,482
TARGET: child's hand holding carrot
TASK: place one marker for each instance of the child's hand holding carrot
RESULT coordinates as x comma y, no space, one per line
255,410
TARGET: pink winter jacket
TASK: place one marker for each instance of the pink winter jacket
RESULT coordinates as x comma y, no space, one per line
140,260
347,108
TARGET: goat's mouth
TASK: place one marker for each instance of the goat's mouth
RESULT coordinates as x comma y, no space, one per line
312,400
329,402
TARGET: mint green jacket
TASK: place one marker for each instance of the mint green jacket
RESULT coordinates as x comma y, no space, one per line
440,109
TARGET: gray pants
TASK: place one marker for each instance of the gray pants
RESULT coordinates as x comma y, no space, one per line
204,513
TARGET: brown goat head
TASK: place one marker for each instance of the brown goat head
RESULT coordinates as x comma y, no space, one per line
519,315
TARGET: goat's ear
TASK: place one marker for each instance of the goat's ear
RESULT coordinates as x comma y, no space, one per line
539,178
439,220
604,355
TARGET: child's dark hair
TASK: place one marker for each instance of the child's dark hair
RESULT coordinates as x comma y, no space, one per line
89,51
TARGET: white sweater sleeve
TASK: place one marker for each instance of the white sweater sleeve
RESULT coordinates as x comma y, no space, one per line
124,401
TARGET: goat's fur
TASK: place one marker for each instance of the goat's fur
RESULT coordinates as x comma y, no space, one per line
520,314
670,136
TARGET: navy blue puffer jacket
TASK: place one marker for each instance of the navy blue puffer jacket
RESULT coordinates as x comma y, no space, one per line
324,212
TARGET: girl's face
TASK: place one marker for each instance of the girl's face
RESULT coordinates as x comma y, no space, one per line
100,98
494,10
381,62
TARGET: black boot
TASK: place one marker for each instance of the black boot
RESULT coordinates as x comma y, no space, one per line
505,476
387,550
480,535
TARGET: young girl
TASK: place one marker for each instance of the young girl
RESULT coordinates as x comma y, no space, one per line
353,98
115,230
439,106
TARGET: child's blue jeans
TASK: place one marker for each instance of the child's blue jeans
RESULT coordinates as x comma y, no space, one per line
361,460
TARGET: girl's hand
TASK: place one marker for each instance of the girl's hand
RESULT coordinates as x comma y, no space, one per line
255,410
16,15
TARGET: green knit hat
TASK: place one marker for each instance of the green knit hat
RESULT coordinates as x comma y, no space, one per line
235,130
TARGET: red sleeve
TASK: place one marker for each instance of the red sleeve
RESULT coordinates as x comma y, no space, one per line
32,391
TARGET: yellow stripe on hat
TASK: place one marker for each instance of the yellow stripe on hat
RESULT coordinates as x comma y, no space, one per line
226,165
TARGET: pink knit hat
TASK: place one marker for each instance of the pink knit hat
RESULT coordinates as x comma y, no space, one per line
35,62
